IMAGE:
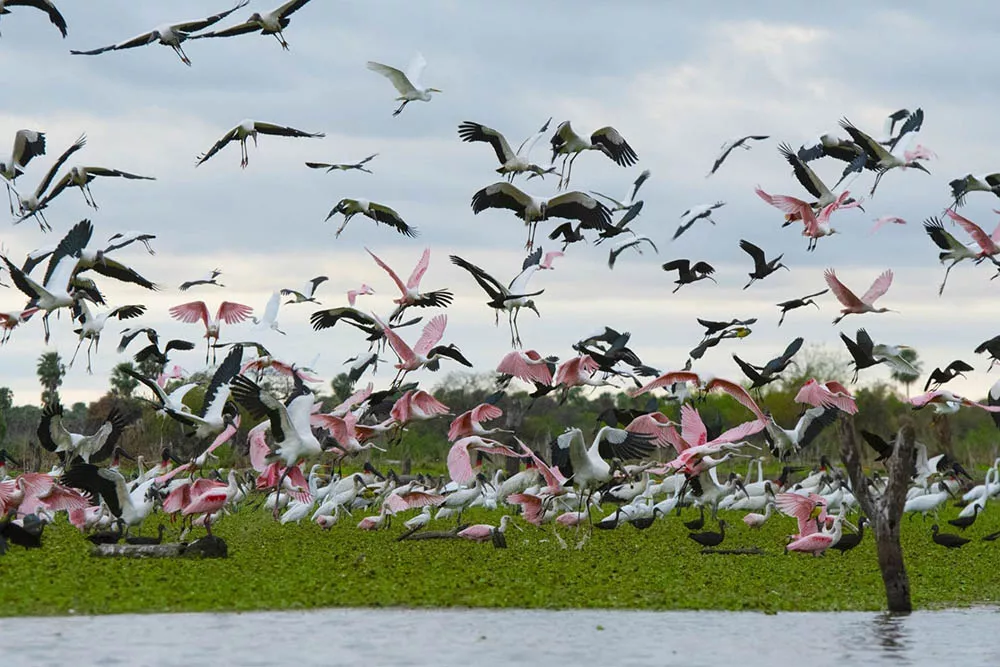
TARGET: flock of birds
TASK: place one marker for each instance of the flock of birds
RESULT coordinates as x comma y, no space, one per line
642,461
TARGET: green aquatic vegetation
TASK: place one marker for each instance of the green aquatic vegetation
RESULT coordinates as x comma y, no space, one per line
271,566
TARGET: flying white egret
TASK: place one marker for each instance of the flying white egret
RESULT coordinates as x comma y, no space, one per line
270,318
407,83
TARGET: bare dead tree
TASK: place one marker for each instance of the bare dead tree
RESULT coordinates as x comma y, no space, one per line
885,511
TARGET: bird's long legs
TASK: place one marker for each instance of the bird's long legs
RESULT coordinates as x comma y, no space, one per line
946,272
183,56
73,359
281,40
89,196
401,107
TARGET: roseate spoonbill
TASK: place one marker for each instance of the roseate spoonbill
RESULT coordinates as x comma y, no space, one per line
818,542
689,273
799,303
570,145
575,205
816,226
946,402
707,382
625,244
359,166
380,213
949,540
850,302
410,294
169,34
694,214
881,158
757,521
482,532
512,297
811,182
407,83
307,293
11,320
785,442
459,455
730,146
827,394
426,353
960,187
46,6
527,365
511,163
209,278
940,376
273,22
31,205
887,219
206,497
469,422
352,295
762,267
92,325
228,312
249,129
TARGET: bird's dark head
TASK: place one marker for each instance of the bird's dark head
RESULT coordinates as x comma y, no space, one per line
916,165
369,468
530,304
255,18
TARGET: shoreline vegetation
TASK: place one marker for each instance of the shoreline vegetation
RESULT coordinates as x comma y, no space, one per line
285,567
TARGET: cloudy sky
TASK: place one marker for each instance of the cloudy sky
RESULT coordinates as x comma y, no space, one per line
676,81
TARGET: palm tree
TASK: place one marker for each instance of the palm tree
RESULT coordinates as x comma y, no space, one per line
904,378
51,370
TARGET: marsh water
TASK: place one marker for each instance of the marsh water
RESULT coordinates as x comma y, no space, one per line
466,637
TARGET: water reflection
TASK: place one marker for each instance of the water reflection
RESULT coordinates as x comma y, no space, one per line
890,631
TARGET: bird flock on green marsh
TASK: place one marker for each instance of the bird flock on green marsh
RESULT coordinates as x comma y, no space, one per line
645,463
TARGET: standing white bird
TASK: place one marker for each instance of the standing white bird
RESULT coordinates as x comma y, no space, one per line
407,84
168,34
269,23
249,129
270,318
607,139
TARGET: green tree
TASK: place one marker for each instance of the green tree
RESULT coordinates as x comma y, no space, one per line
122,384
904,377
6,403
341,386
51,371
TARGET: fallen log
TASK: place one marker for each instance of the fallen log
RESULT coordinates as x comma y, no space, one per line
753,551
206,547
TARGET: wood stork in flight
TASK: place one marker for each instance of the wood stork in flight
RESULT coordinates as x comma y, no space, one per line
511,163
273,22
249,129
607,139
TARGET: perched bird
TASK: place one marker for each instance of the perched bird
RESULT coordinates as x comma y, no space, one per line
686,273
695,213
730,146
377,212
269,23
762,267
407,84
249,129
607,140
799,303
357,166
940,376
170,34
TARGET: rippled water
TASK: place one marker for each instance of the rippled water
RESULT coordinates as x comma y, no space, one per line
472,637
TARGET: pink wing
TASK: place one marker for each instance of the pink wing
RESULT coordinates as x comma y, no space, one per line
812,543
846,297
231,313
485,412
973,230
354,399
177,499
665,380
401,411
885,219
527,366
338,427
259,449
432,334
549,258
427,404
166,477
460,427
223,437
401,349
60,497
190,312
919,152
741,432
420,498
693,430
800,507
531,507
657,425
785,203
739,393
571,370
459,462
878,288
419,270
554,478
296,485
392,274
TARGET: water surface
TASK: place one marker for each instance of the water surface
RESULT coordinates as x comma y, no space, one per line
474,637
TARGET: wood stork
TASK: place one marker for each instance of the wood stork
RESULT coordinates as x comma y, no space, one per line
268,23
865,354
576,205
960,187
850,302
46,6
168,34
81,177
587,467
730,146
56,438
209,278
426,352
810,181
31,205
92,325
694,214
152,350
511,163
785,442
28,144
357,166
307,293
607,139
228,312
882,159
407,84
625,244
378,212
510,298
249,129
410,294
955,250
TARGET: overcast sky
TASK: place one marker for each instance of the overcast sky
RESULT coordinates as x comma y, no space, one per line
676,80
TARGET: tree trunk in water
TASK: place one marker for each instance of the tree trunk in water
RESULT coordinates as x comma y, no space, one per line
513,418
885,511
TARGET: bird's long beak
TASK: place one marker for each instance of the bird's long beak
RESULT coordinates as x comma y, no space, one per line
434,90
531,305
123,453
917,165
